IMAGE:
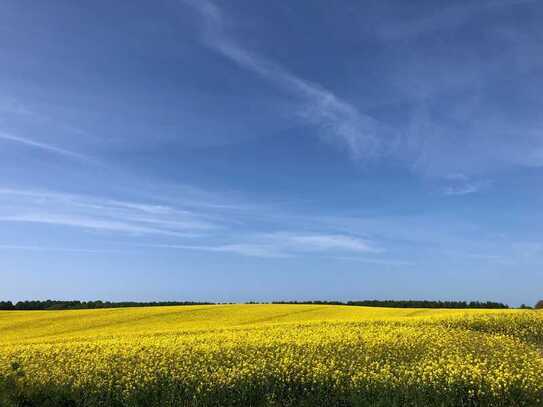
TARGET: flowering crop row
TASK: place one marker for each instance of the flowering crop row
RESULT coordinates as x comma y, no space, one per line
282,355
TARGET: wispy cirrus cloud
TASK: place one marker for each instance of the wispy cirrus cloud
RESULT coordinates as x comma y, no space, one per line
465,189
86,223
460,184
473,119
207,228
286,244
243,249
320,107
449,17
58,249
86,201
385,262
324,242
52,208
43,146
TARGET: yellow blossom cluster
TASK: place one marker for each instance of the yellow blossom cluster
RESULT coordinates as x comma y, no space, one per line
271,355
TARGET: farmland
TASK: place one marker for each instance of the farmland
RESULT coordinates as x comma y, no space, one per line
276,355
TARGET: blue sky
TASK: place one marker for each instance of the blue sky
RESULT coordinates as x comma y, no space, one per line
248,150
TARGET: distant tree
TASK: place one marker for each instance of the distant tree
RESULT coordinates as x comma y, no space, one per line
524,306
75,304
539,305
6,306
405,303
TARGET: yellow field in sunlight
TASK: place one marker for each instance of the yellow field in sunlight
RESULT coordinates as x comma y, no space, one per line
271,355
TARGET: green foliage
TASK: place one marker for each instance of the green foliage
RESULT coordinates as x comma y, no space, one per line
76,304
36,305
407,304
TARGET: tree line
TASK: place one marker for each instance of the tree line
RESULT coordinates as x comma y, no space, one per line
66,305
407,303
63,305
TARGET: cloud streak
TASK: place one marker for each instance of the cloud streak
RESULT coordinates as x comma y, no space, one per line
460,184
471,118
330,242
45,207
462,189
42,146
87,223
57,249
320,107
208,233
446,19
243,249
286,245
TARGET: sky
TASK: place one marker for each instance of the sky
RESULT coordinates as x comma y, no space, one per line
253,151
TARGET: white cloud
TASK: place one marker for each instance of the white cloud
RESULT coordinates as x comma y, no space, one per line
324,242
319,106
445,19
285,244
152,209
85,222
386,262
461,189
56,249
460,184
472,120
53,208
244,249
43,146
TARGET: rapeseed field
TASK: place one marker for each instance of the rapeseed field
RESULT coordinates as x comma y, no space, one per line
271,355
